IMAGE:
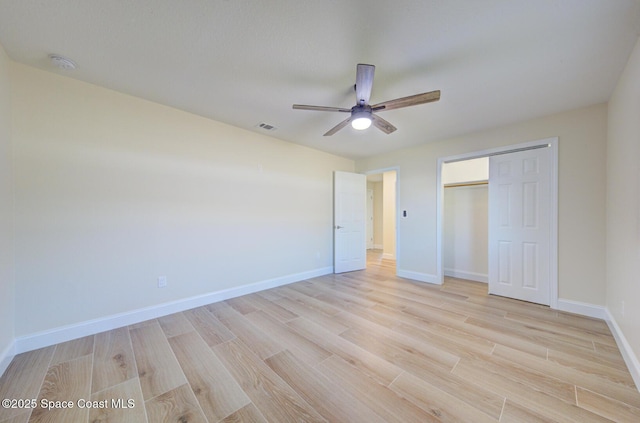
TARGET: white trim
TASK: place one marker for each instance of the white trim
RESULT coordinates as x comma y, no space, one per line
553,248
630,358
418,276
388,256
6,356
377,247
553,245
439,222
583,309
463,274
91,327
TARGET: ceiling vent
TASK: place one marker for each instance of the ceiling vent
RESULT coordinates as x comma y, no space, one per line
266,127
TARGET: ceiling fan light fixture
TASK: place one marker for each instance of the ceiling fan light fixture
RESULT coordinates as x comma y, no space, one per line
361,120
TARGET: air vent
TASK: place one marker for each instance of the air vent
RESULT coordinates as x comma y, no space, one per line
266,126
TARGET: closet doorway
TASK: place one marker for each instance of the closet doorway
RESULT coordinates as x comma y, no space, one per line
465,238
522,221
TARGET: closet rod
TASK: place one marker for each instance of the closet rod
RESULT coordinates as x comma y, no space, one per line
466,184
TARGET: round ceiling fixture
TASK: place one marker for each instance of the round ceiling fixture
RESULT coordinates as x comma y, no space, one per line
361,120
62,62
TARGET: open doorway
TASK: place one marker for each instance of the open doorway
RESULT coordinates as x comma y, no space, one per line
382,217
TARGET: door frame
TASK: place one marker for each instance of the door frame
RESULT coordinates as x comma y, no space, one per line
552,143
397,205
370,217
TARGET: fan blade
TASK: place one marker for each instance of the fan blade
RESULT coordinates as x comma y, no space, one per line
412,100
338,127
382,124
320,108
364,83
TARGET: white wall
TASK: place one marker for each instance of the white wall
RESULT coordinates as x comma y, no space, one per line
465,235
114,191
7,273
582,148
623,205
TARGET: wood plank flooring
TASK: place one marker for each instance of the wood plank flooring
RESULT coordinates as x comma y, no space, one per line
358,347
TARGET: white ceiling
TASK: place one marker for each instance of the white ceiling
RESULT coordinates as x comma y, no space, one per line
247,61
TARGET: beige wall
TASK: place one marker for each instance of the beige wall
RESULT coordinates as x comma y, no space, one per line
623,203
389,214
7,284
466,171
465,232
582,148
377,212
114,191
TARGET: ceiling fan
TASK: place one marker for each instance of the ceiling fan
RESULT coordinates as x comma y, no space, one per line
362,114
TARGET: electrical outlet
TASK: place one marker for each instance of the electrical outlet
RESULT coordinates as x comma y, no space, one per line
162,281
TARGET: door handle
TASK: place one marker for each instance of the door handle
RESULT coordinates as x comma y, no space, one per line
339,227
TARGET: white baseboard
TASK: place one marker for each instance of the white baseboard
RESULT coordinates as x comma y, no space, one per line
584,309
6,356
630,358
463,274
418,276
601,312
388,256
91,327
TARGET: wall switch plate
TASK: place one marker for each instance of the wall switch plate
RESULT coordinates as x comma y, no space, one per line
162,281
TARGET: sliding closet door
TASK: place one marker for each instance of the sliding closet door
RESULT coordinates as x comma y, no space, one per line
520,225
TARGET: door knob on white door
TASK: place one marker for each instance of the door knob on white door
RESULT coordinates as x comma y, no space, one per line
339,227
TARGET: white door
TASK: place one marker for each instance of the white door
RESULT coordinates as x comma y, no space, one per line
520,225
349,217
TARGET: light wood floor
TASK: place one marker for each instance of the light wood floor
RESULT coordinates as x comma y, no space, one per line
359,347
